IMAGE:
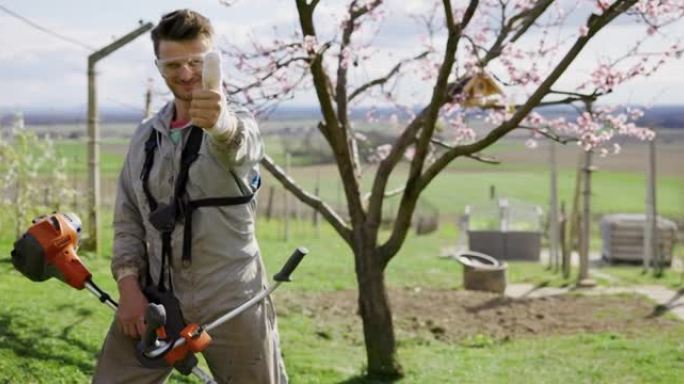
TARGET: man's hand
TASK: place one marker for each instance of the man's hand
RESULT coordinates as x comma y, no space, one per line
205,108
132,304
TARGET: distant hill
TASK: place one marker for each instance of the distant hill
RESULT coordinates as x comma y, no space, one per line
663,116
660,116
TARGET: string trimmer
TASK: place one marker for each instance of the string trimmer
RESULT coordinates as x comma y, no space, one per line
48,249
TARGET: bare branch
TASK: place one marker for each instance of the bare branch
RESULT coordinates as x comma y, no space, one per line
475,156
259,81
355,12
524,20
387,77
550,135
309,199
529,16
330,127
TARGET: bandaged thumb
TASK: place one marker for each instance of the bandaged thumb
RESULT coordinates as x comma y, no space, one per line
211,73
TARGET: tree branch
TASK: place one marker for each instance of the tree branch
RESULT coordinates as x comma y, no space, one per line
550,135
439,96
331,128
386,78
475,156
309,199
598,22
392,245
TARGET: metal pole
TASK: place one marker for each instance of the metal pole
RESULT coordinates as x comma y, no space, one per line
92,242
148,97
287,200
583,279
651,257
317,192
553,210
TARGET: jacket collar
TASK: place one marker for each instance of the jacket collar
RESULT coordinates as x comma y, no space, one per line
162,120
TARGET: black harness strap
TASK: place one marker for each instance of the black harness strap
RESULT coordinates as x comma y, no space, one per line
162,216
150,146
211,202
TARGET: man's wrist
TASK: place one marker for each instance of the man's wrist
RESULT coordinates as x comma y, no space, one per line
225,129
126,272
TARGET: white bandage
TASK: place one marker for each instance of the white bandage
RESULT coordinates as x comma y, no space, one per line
225,127
211,72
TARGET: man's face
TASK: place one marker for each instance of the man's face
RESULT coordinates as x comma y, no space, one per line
180,64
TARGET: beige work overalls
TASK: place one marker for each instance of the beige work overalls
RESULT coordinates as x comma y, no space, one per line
226,267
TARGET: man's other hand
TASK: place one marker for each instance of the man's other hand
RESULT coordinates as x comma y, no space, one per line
132,304
205,108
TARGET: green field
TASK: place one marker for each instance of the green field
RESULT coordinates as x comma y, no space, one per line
50,333
616,188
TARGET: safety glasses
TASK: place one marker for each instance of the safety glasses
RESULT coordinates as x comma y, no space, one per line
171,66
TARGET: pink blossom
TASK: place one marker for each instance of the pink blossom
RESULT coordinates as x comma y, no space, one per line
584,31
310,44
345,57
383,151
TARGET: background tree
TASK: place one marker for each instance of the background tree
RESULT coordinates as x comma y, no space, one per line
526,45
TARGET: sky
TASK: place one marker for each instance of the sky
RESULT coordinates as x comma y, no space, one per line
41,71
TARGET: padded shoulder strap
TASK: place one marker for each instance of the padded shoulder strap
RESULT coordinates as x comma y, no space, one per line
190,154
150,147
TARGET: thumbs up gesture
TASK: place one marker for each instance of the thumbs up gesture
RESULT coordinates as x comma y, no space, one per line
207,103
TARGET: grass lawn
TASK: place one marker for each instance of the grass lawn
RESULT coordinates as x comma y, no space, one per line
50,333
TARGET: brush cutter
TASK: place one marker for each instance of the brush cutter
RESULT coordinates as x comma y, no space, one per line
48,249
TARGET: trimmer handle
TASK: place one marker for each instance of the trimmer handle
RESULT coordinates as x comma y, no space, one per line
291,264
155,317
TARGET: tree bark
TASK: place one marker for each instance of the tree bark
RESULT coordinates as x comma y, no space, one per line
376,315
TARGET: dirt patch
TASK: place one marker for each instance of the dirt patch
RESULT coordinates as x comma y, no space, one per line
472,317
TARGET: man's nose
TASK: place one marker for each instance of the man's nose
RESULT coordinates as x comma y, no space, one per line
185,72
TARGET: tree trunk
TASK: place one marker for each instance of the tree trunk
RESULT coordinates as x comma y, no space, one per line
376,314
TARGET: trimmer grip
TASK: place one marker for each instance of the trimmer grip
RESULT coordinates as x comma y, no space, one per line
155,317
291,264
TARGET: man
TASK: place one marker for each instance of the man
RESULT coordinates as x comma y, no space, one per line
207,256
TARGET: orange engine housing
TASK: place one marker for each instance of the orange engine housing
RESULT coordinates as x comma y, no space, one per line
59,241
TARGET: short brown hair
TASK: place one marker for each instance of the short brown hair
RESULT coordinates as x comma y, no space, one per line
181,25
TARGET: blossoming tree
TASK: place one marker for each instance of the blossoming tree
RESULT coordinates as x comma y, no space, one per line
506,40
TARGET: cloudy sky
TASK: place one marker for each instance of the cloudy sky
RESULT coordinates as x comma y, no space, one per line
39,70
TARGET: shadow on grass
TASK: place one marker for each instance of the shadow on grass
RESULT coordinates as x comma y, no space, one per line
664,308
505,301
366,380
28,341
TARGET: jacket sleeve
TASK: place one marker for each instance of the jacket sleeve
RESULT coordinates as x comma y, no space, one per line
129,248
243,146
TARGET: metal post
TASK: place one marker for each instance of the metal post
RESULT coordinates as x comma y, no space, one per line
583,279
92,242
287,200
553,210
148,97
317,192
651,254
